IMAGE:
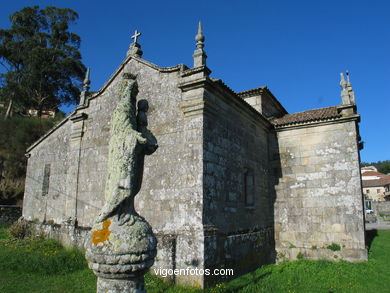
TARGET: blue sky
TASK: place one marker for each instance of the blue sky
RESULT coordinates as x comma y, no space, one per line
296,48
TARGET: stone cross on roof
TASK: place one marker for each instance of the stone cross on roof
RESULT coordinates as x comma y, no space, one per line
136,35
135,48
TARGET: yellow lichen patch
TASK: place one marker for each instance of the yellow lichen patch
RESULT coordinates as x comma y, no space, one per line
103,234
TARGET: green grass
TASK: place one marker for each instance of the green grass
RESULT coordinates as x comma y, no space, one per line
322,276
44,266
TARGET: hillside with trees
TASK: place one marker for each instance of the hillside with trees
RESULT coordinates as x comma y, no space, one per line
40,69
16,135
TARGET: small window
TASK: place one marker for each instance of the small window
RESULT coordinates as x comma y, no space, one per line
368,191
46,180
367,204
378,191
249,188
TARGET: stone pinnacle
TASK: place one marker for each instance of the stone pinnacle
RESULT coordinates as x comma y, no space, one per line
199,38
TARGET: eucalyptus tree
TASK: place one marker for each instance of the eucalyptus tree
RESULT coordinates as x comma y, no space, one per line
40,59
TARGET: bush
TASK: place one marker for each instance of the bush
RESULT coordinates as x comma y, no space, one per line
20,229
334,247
11,190
16,135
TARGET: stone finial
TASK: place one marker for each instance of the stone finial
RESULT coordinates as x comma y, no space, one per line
86,81
199,38
343,83
199,55
351,93
344,92
135,48
84,93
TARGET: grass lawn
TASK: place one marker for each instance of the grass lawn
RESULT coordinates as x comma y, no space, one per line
44,266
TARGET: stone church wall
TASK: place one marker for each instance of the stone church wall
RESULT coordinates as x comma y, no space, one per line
45,188
222,190
238,216
171,194
318,211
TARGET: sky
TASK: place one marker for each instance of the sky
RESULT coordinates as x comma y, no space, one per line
296,48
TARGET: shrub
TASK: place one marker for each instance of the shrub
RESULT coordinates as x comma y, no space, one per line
11,190
16,135
334,247
20,229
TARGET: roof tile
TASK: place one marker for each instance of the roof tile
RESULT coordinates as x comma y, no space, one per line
375,182
308,116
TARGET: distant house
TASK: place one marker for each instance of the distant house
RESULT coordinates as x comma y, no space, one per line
376,185
44,114
371,173
368,168
48,113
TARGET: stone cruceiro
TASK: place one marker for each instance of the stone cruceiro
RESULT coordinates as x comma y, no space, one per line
122,246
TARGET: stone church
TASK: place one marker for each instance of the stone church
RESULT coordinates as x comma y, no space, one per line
236,182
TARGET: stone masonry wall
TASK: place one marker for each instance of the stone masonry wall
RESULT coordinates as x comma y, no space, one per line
381,211
171,194
45,200
319,198
235,145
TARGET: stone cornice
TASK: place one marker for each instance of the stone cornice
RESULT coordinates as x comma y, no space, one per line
78,117
314,123
190,71
180,67
251,92
224,92
193,84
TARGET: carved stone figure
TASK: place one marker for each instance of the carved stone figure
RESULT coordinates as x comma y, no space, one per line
122,246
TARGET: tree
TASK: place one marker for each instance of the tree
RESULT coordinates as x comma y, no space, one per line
16,135
41,58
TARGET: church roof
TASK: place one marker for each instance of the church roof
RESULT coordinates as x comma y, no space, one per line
259,91
376,182
315,115
251,92
372,173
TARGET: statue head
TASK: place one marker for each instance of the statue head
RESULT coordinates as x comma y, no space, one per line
129,86
143,105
